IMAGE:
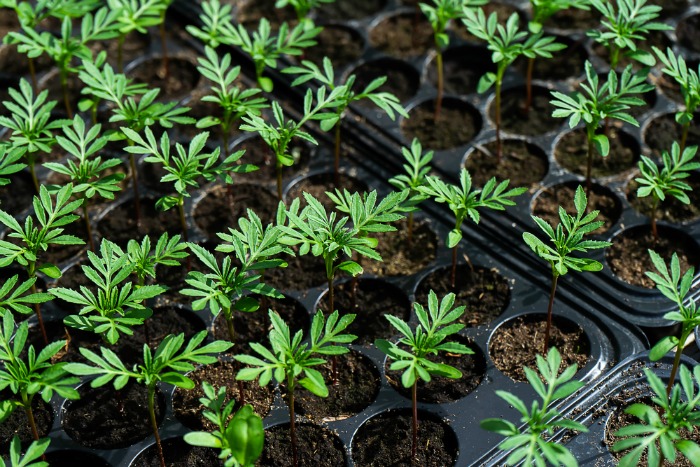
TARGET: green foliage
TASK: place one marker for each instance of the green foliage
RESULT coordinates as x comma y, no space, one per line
686,78
302,7
105,84
416,168
136,15
216,21
433,328
34,452
661,436
530,445
118,305
10,162
168,252
542,10
16,300
240,438
668,180
442,12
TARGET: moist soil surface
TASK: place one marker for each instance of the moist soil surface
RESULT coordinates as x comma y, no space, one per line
402,79
71,458
107,419
18,195
178,453
663,131
571,152
568,63
600,198
316,446
484,292
17,424
119,224
386,440
188,409
357,386
457,124
629,259
516,344
373,300
441,389
317,185
301,273
523,163
341,45
574,19
178,82
514,119
401,256
404,35
670,210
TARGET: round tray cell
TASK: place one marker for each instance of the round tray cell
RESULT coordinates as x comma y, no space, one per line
385,439
343,10
318,184
516,119
177,452
462,68
660,133
571,152
342,45
402,35
315,446
523,163
671,209
17,424
402,79
178,82
502,9
458,123
546,203
628,257
564,64
688,33
516,343
71,458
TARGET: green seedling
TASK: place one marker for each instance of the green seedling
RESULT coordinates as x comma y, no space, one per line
86,171
288,358
624,28
465,201
386,101
601,102
669,181
530,446
662,437
239,437
34,451
568,238
168,252
25,377
216,20
507,42
412,351
166,365
16,300
676,289
10,163
33,239
118,305
134,15
302,7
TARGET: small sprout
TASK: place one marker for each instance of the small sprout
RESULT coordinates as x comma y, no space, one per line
567,239
240,438
667,181
216,19
530,446
288,358
676,289
34,451
134,15
412,350
661,436
166,365
168,252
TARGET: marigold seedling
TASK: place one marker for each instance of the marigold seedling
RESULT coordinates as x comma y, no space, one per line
134,15
34,451
216,19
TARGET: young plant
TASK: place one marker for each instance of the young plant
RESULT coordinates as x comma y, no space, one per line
34,451
568,238
168,252
676,289
687,79
662,436
34,239
384,100
600,102
530,446
667,181
288,358
239,437
86,172
25,377
507,43
621,29
411,352
302,7
167,364
216,19
134,15
118,305
465,201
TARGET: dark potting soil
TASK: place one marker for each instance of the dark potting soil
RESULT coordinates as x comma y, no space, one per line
404,35
687,32
17,424
119,224
373,300
441,389
317,185
178,453
484,292
402,80
71,458
657,39
457,124
670,210
386,440
188,409
463,67
568,63
341,45
316,446
600,198
663,131
343,10
516,344
18,195
250,12
503,12
514,118
255,326
357,387
258,153
181,77
220,210
523,163
401,256
301,273
571,152
106,419
629,259
574,19
134,45
670,7
198,110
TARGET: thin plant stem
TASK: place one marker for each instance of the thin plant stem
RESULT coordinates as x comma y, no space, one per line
453,272
550,308
414,400
88,228
654,230
135,184
183,221
154,423
440,84
677,360
228,315
32,72
30,416
684,136
336,155
37,306
164,47
146,333
292,424
64,89
528,84
497,118
278,168
32,171
120,53
589,161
